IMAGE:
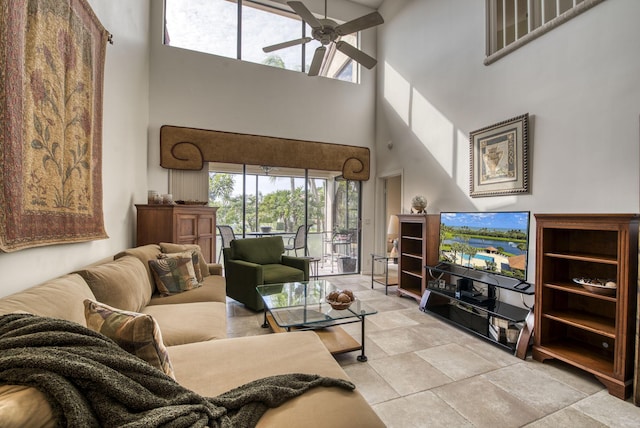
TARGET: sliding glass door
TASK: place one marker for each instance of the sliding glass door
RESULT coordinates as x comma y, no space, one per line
264,201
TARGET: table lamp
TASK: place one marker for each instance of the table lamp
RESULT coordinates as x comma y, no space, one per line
392,235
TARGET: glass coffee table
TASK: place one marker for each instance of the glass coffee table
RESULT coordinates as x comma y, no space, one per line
302,306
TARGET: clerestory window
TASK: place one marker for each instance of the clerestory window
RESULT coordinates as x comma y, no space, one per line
240,29
513,23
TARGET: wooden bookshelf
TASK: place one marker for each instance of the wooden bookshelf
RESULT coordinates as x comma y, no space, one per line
417,246
593,332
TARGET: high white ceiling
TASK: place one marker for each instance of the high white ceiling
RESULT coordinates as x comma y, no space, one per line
374,4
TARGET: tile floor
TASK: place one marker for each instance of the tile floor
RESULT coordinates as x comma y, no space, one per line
423,372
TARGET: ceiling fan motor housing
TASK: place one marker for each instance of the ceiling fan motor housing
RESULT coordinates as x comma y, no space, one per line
326,33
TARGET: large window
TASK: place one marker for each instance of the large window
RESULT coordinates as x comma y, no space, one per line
240,29
513,23
258,200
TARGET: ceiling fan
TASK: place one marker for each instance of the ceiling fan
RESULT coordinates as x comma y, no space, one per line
327,31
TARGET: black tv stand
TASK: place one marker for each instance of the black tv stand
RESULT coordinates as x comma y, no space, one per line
481,313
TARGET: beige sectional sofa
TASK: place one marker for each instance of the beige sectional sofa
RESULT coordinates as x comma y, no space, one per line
193,326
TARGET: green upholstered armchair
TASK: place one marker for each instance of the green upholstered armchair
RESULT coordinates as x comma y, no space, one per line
256,261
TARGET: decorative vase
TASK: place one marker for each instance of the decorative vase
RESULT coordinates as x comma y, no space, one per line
419,204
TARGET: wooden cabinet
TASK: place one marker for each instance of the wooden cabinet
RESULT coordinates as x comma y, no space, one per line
418,242
593,332
180,224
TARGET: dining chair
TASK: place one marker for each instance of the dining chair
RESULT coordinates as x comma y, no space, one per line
226,236
299,241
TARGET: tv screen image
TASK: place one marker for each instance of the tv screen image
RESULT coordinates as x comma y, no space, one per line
495,242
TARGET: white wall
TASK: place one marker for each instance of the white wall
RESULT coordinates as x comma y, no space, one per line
205,91
579,82
124,148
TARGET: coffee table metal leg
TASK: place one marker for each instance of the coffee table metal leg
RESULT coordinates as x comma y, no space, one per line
362,357
265,324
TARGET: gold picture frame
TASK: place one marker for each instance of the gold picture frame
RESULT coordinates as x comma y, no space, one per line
500,158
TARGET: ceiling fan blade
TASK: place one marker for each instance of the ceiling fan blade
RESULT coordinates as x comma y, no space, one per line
356,54
286,44
318,56
359,24
305,14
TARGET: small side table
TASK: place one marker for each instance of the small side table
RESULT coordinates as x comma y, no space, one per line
313,266
384,278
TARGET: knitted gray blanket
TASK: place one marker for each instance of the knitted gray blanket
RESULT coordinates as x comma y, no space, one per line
90,381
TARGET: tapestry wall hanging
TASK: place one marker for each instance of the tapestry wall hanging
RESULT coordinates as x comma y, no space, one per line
52,56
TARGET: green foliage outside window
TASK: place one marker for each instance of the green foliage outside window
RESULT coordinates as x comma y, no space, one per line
281,209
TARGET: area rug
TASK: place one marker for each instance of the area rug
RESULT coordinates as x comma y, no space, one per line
52,56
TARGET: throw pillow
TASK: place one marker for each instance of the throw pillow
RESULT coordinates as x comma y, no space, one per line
138,334
174,275
190,253
167,247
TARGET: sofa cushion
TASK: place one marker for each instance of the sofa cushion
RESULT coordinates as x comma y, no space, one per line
122,283
182,323
25,406
144,253
58,298
174,274
296,352
262,251
213,289
273,274
167,247
138,334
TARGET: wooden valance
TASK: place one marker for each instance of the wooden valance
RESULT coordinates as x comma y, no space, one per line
190,148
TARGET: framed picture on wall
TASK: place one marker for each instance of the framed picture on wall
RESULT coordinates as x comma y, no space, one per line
499,158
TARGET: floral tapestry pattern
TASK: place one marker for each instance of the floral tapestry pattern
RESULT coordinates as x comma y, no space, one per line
51,73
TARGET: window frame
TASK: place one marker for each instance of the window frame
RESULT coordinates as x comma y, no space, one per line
277,9
542,27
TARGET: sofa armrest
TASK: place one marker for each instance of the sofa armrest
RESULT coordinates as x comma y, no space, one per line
215,268
301,263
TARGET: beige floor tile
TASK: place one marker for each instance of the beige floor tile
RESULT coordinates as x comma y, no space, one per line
386,304
417,315
420,410
568,417
534,387
370,384
610,410
485,405
391,320
397,341
435,333
490,352
566,373
408,373
372,352
456,361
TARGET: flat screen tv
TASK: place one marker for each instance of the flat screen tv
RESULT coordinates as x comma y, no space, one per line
495,242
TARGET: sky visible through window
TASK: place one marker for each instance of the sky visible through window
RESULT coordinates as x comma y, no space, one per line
210,26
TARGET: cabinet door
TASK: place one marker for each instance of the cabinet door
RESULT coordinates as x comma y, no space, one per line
186,229
154,225
207,235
